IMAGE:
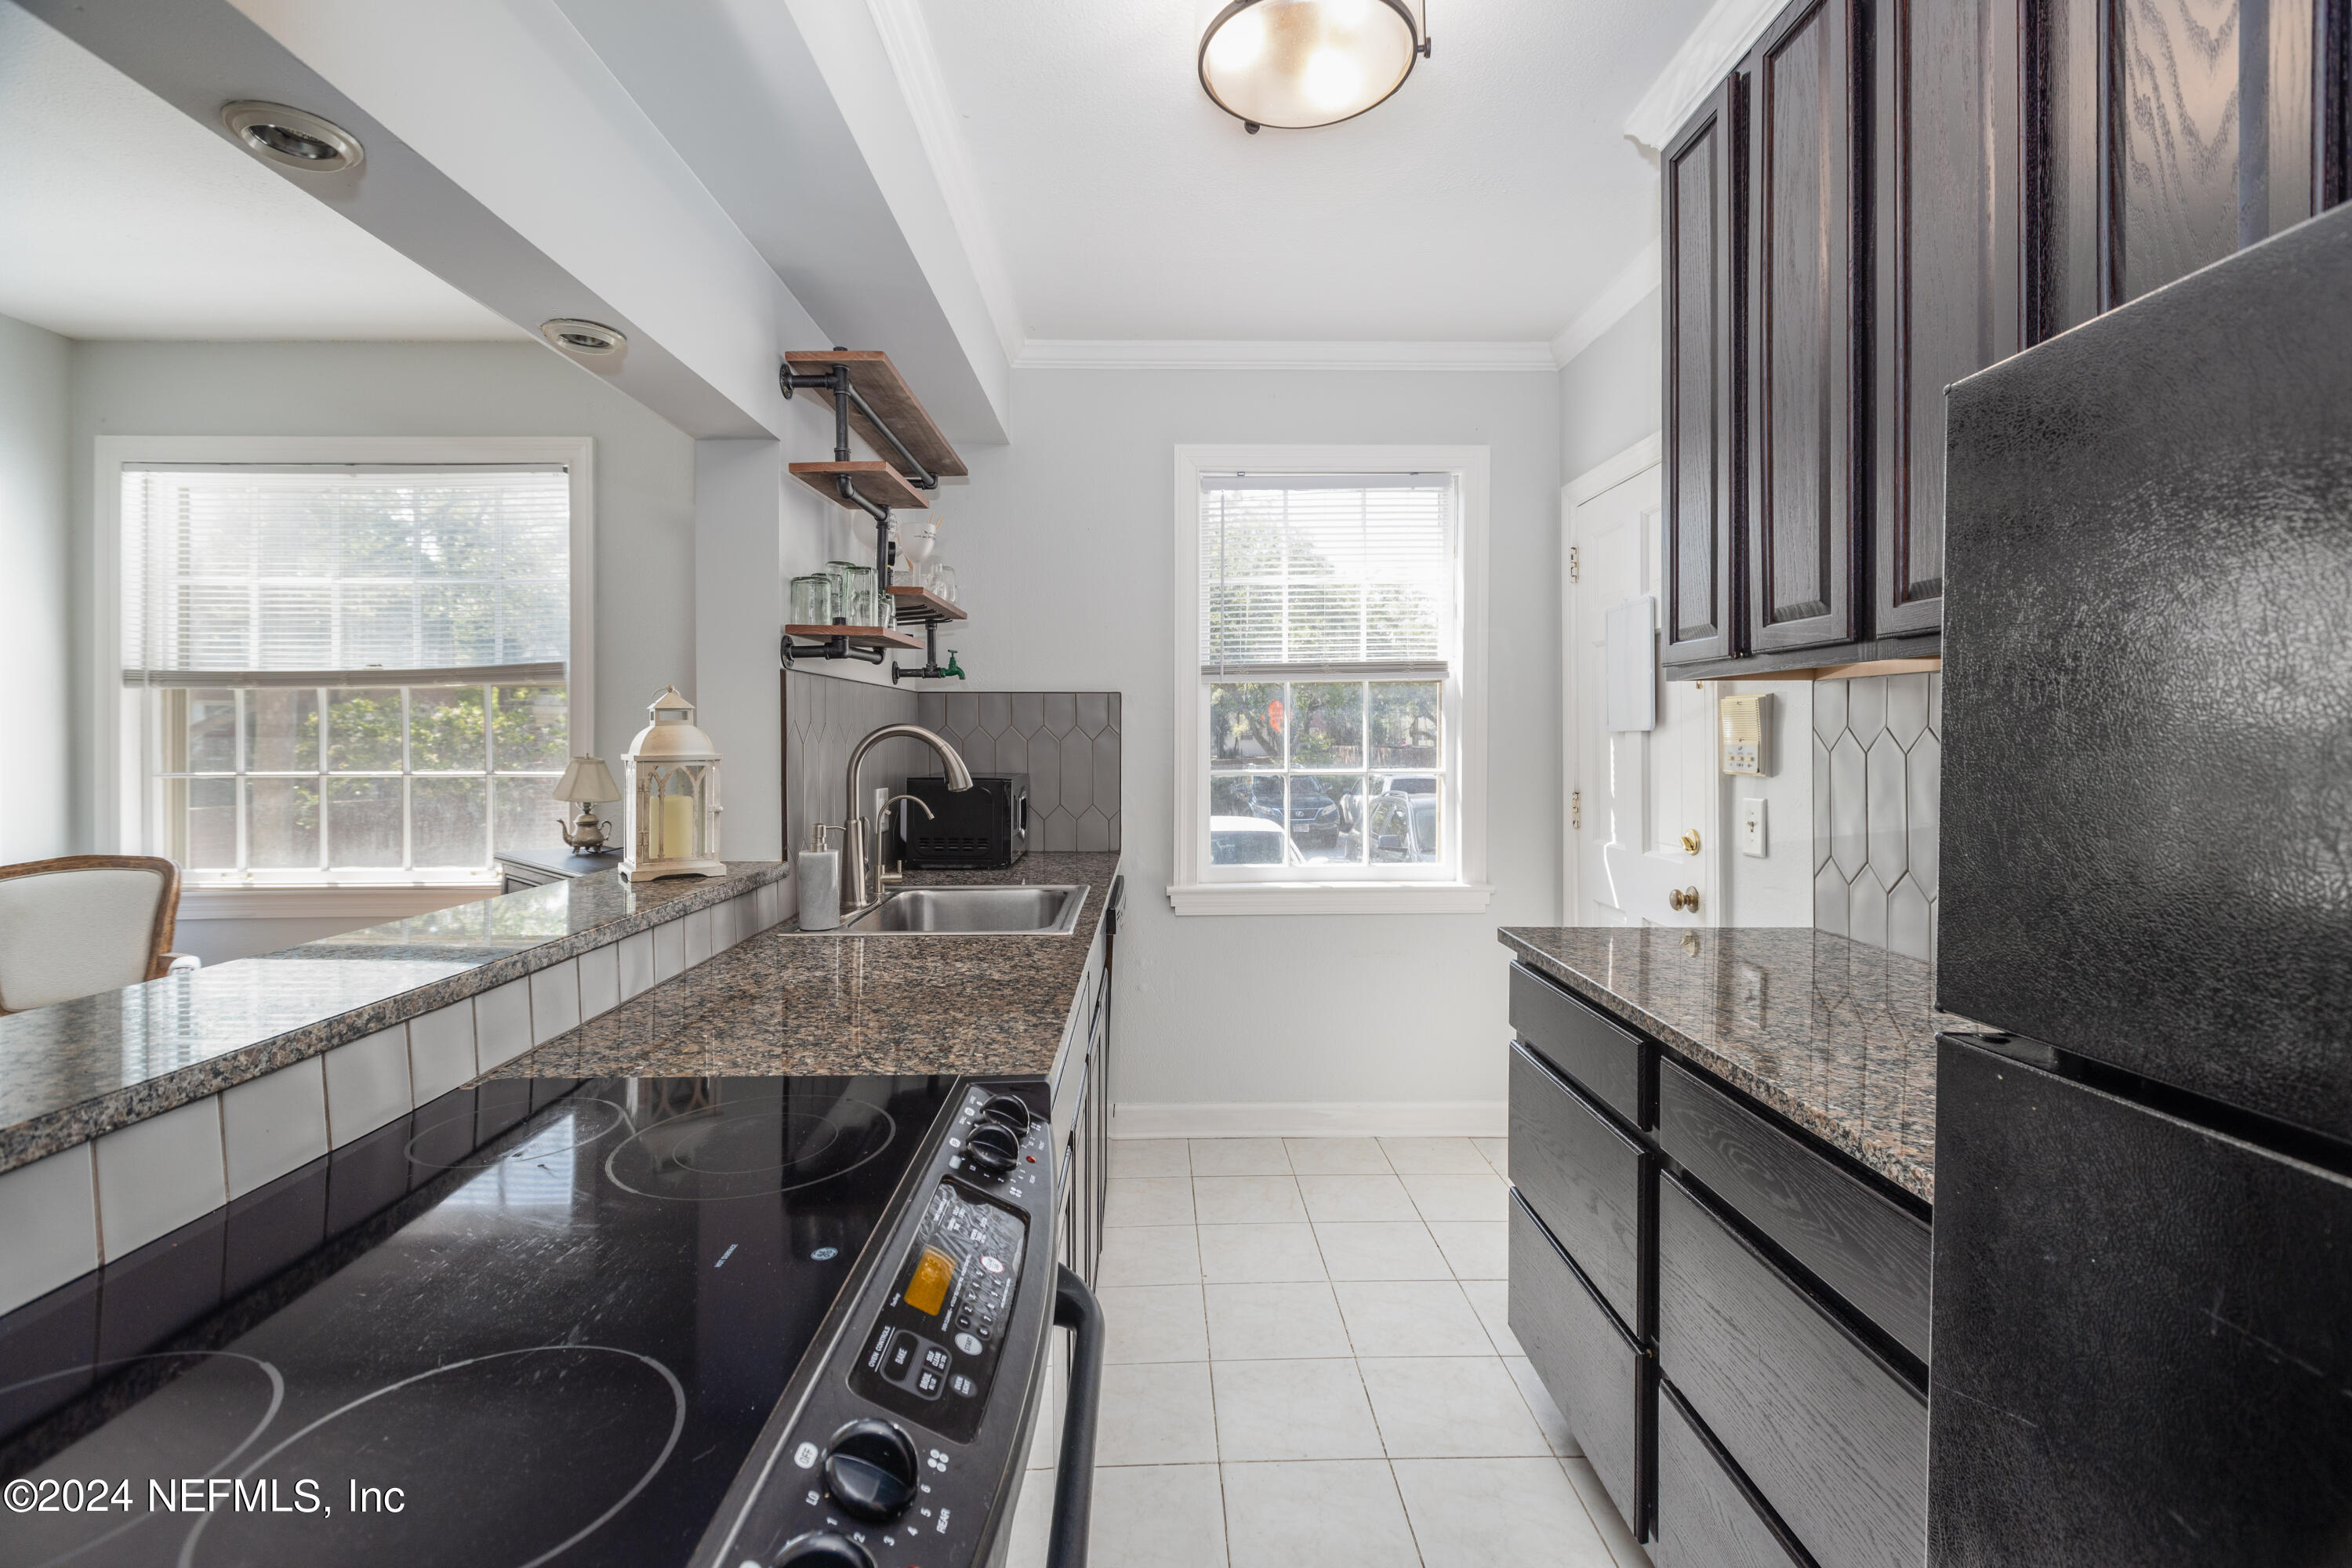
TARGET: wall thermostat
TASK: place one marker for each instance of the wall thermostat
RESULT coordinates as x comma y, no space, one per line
1745,734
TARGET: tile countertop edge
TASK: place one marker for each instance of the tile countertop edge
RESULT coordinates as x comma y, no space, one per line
56,1130
1846,1133
772,1006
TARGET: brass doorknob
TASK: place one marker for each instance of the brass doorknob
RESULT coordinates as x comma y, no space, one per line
1683,901
1690,843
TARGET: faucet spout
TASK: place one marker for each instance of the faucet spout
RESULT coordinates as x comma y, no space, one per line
857,882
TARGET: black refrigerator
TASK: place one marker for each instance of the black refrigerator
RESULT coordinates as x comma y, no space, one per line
2143,1240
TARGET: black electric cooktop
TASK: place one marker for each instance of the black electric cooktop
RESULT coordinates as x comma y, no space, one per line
558,1344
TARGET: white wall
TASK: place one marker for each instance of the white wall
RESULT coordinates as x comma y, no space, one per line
35,647
1609,395
1062,544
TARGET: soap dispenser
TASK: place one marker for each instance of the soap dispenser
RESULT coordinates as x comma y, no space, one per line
818,870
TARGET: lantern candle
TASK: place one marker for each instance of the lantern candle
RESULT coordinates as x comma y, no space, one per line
676,826
671,789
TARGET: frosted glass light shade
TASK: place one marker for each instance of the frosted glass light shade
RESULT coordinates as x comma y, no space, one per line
1298,63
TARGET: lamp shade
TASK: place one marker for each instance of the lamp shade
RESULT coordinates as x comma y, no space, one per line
1297,63
587,779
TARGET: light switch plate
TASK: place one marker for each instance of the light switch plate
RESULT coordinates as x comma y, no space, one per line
1752,826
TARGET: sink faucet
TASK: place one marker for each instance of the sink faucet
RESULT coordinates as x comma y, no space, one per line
858,888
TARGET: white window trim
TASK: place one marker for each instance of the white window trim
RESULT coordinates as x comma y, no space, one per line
114,762
1187,894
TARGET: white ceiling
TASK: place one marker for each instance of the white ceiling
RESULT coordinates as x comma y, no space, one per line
121,217
1493,198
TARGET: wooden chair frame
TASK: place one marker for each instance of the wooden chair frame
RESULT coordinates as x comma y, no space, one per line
167,908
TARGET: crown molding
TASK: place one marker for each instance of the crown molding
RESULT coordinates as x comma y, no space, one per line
1190,353
907,43
1726,33
1624,292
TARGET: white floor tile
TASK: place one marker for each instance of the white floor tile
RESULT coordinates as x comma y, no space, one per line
1156,1413
1381,1250
1329,1515
1491,1299
1158,1516
1410,1317
1283,1321
1497,1151
1336,1156
1446,1154
1261,1254
1247,1200
1366,1197
1293,1410
1148,1200
1148,1255
1149,1157
1033,1521
1153,1323
1540,1406
1432,1408
1473,1249
1442,1197
1476,1513
1624,1550
1239,1157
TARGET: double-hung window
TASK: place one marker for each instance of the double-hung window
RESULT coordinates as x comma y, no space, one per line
345,673
1330,730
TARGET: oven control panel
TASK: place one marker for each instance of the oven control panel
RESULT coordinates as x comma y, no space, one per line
908,1450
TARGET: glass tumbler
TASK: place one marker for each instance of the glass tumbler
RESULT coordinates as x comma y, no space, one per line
812,599
947,586
858,604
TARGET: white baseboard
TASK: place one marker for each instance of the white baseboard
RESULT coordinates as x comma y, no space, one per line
1315,1119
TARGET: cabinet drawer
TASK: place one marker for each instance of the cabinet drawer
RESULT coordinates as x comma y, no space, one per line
1705,1518
1583,1178
1833,1440
1866,1247
1605,1060
1593,1373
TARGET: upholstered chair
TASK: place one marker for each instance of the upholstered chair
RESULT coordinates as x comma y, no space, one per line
83,924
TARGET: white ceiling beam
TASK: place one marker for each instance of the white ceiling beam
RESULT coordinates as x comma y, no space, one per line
1723,35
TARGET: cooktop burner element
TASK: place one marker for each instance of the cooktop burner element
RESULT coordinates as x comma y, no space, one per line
559,1347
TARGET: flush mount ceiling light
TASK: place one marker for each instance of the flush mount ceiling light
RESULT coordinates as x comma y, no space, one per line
291,137
582,337
1292,64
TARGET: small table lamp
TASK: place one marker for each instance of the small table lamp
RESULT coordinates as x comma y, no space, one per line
584,782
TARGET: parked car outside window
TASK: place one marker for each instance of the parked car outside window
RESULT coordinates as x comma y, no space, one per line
1250,841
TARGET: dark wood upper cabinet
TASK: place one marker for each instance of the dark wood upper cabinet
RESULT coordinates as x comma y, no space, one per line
1949,283
1703,169
2165,134
1804,376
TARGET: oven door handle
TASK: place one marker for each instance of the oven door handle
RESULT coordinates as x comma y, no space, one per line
1075,1307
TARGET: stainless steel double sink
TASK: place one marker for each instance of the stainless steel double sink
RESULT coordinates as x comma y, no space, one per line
972,911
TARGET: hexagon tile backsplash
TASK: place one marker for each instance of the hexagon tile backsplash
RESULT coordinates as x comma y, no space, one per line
1877,786
1067,742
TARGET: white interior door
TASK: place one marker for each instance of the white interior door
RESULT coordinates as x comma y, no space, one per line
1633,794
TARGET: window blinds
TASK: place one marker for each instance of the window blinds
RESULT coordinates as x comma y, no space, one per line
1346,574
287,575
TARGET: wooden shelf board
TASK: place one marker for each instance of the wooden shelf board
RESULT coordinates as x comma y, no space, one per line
859,637
878,482
887,392
922,606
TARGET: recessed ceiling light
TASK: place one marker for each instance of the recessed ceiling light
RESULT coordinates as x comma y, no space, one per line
292,137
1293,64
582,337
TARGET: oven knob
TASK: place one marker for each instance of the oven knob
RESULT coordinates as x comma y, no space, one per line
1010,1109
822,1549
871,1471
992,1148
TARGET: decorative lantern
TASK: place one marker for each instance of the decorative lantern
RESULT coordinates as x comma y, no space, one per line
671,787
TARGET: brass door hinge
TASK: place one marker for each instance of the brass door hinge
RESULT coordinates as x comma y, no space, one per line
1574,566
1576,809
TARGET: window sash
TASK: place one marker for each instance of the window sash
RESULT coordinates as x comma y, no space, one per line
1340,571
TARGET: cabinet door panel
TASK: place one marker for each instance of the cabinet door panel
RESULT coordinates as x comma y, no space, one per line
1701,246
1596,1377
1584,1179
1948,299
1706,1516
1802,377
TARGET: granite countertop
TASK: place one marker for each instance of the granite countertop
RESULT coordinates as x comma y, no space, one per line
786,1002
72,1072
1836,1036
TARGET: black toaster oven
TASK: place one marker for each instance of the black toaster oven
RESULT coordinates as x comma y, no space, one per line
985,826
